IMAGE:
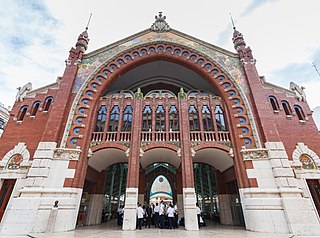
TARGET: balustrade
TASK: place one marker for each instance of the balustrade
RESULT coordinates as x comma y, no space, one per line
195,135
209,136
146,136
174,136
97,136
111,136
223,136
125,136
161,136
171,114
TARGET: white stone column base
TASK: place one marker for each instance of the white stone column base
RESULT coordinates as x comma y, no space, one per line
190,213
130,210
263,211
30,213
180,205
95,209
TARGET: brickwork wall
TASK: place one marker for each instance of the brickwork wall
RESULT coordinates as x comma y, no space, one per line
277,126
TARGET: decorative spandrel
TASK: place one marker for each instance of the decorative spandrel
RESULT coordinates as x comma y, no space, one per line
160,25
14,162
307,162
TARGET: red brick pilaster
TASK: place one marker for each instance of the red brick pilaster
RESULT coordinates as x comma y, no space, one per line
186,157
134,155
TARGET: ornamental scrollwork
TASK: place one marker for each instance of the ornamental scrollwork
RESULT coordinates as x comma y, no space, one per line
254,154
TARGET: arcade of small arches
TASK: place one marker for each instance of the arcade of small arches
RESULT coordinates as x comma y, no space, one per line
88,96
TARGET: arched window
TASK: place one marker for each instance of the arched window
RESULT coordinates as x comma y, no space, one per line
206,119
114,119
299,112
221,124
286,107
101,119
35,108
47,104
22,112
127,119
1,123
274,103
193,119
173,119
307,162
147,119
160,119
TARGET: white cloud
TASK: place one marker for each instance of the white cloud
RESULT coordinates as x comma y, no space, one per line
37,35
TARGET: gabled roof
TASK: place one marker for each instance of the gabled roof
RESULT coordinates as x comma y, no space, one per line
171,32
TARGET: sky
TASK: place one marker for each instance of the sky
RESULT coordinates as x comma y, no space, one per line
36,35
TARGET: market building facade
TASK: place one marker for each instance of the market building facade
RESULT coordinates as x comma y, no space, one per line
161,106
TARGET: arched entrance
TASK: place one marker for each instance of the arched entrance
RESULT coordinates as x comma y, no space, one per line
216,186
164,114
105,185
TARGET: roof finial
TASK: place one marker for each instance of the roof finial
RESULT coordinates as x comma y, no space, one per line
160,25
89,21
232,21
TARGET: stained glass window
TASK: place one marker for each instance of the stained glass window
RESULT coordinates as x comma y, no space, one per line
220,120
147,119
307,162
173,119
101,119
114,119
206,119
193,119
127,119
160,119
15,161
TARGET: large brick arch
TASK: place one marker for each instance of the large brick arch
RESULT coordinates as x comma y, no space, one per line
77,133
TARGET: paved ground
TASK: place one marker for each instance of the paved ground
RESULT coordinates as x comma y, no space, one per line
110,230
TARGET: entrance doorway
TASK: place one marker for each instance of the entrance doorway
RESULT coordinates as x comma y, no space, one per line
314,187
160,183
5,194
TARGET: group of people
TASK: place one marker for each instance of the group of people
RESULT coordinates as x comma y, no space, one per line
157,215
161,215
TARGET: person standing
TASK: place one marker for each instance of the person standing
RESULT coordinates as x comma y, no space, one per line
176,216
140,214
198,214
156,215
120,215
161,214
148,216
170,213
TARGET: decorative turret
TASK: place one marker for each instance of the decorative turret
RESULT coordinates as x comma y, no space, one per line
83,39
75,54
244,52
237,39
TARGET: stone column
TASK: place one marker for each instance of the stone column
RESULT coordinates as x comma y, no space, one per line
189,195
